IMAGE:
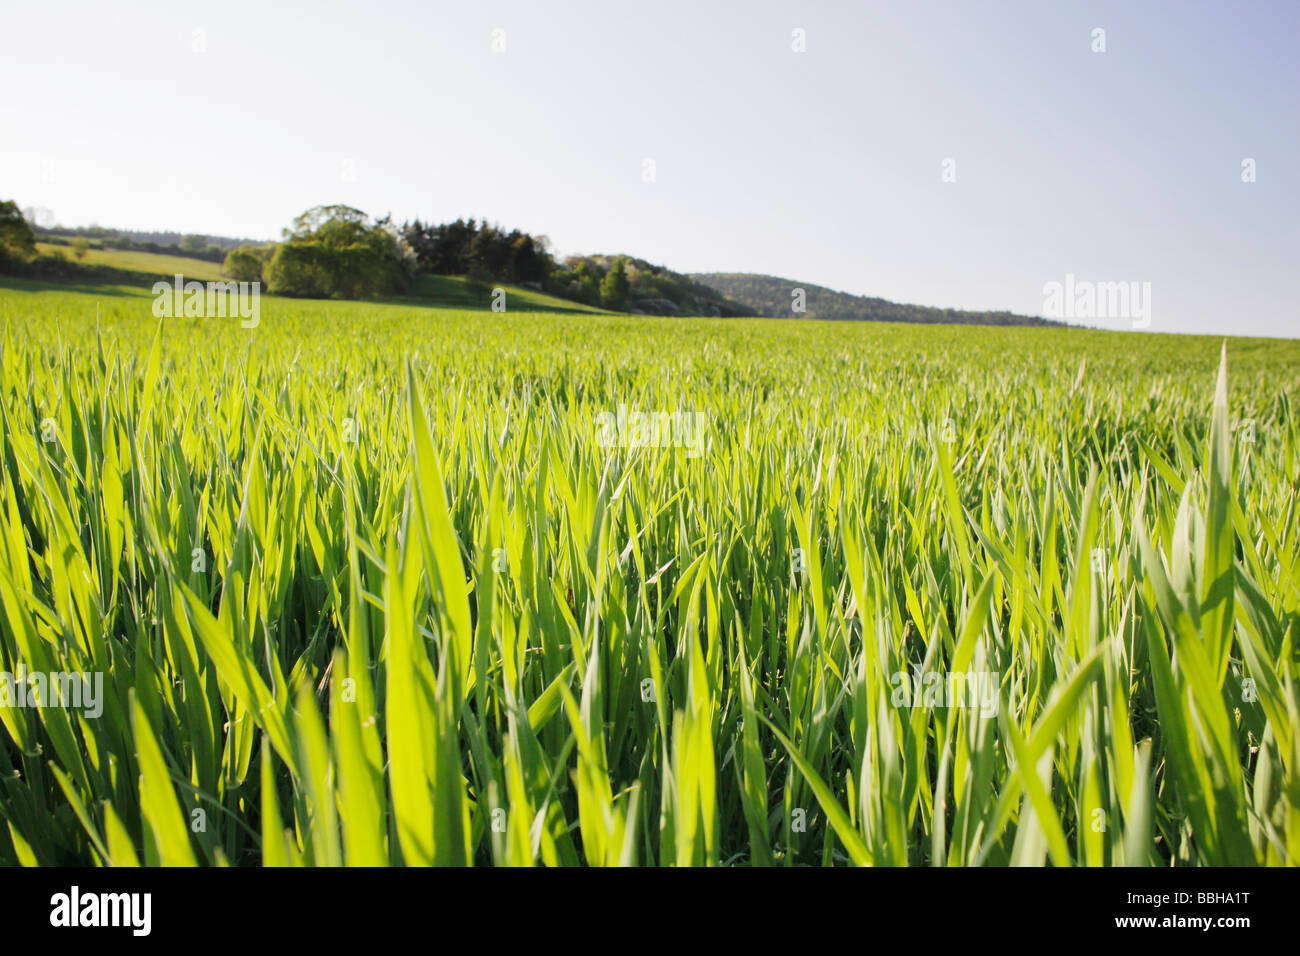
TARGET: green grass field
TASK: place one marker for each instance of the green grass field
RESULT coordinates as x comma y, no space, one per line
148,264
379,584
436,290
454,292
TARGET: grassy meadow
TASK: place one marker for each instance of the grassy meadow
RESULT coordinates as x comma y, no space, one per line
369,584
145,263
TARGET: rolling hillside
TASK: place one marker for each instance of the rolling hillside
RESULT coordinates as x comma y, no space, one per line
772,297
657,290
149,265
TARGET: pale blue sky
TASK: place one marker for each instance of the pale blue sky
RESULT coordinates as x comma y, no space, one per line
822,166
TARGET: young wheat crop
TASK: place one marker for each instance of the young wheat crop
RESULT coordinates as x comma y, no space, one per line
370,585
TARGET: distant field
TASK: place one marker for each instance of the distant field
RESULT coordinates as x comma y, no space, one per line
391,584
455,292
147,263
449,291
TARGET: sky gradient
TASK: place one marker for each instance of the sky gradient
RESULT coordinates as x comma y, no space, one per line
823,165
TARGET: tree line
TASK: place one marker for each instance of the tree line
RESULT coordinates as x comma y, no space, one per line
775,297
338,251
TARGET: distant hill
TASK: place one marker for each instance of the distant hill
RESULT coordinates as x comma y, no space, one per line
772,297
657,290
207,248
573,285
144,238
461,293
127,266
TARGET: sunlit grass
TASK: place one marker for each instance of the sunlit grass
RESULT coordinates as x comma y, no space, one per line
367,588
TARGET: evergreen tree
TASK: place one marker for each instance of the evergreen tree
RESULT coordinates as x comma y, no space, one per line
614,287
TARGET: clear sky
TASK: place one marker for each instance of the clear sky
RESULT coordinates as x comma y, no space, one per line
823,166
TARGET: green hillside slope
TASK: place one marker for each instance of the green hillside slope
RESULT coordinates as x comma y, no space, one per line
773,297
